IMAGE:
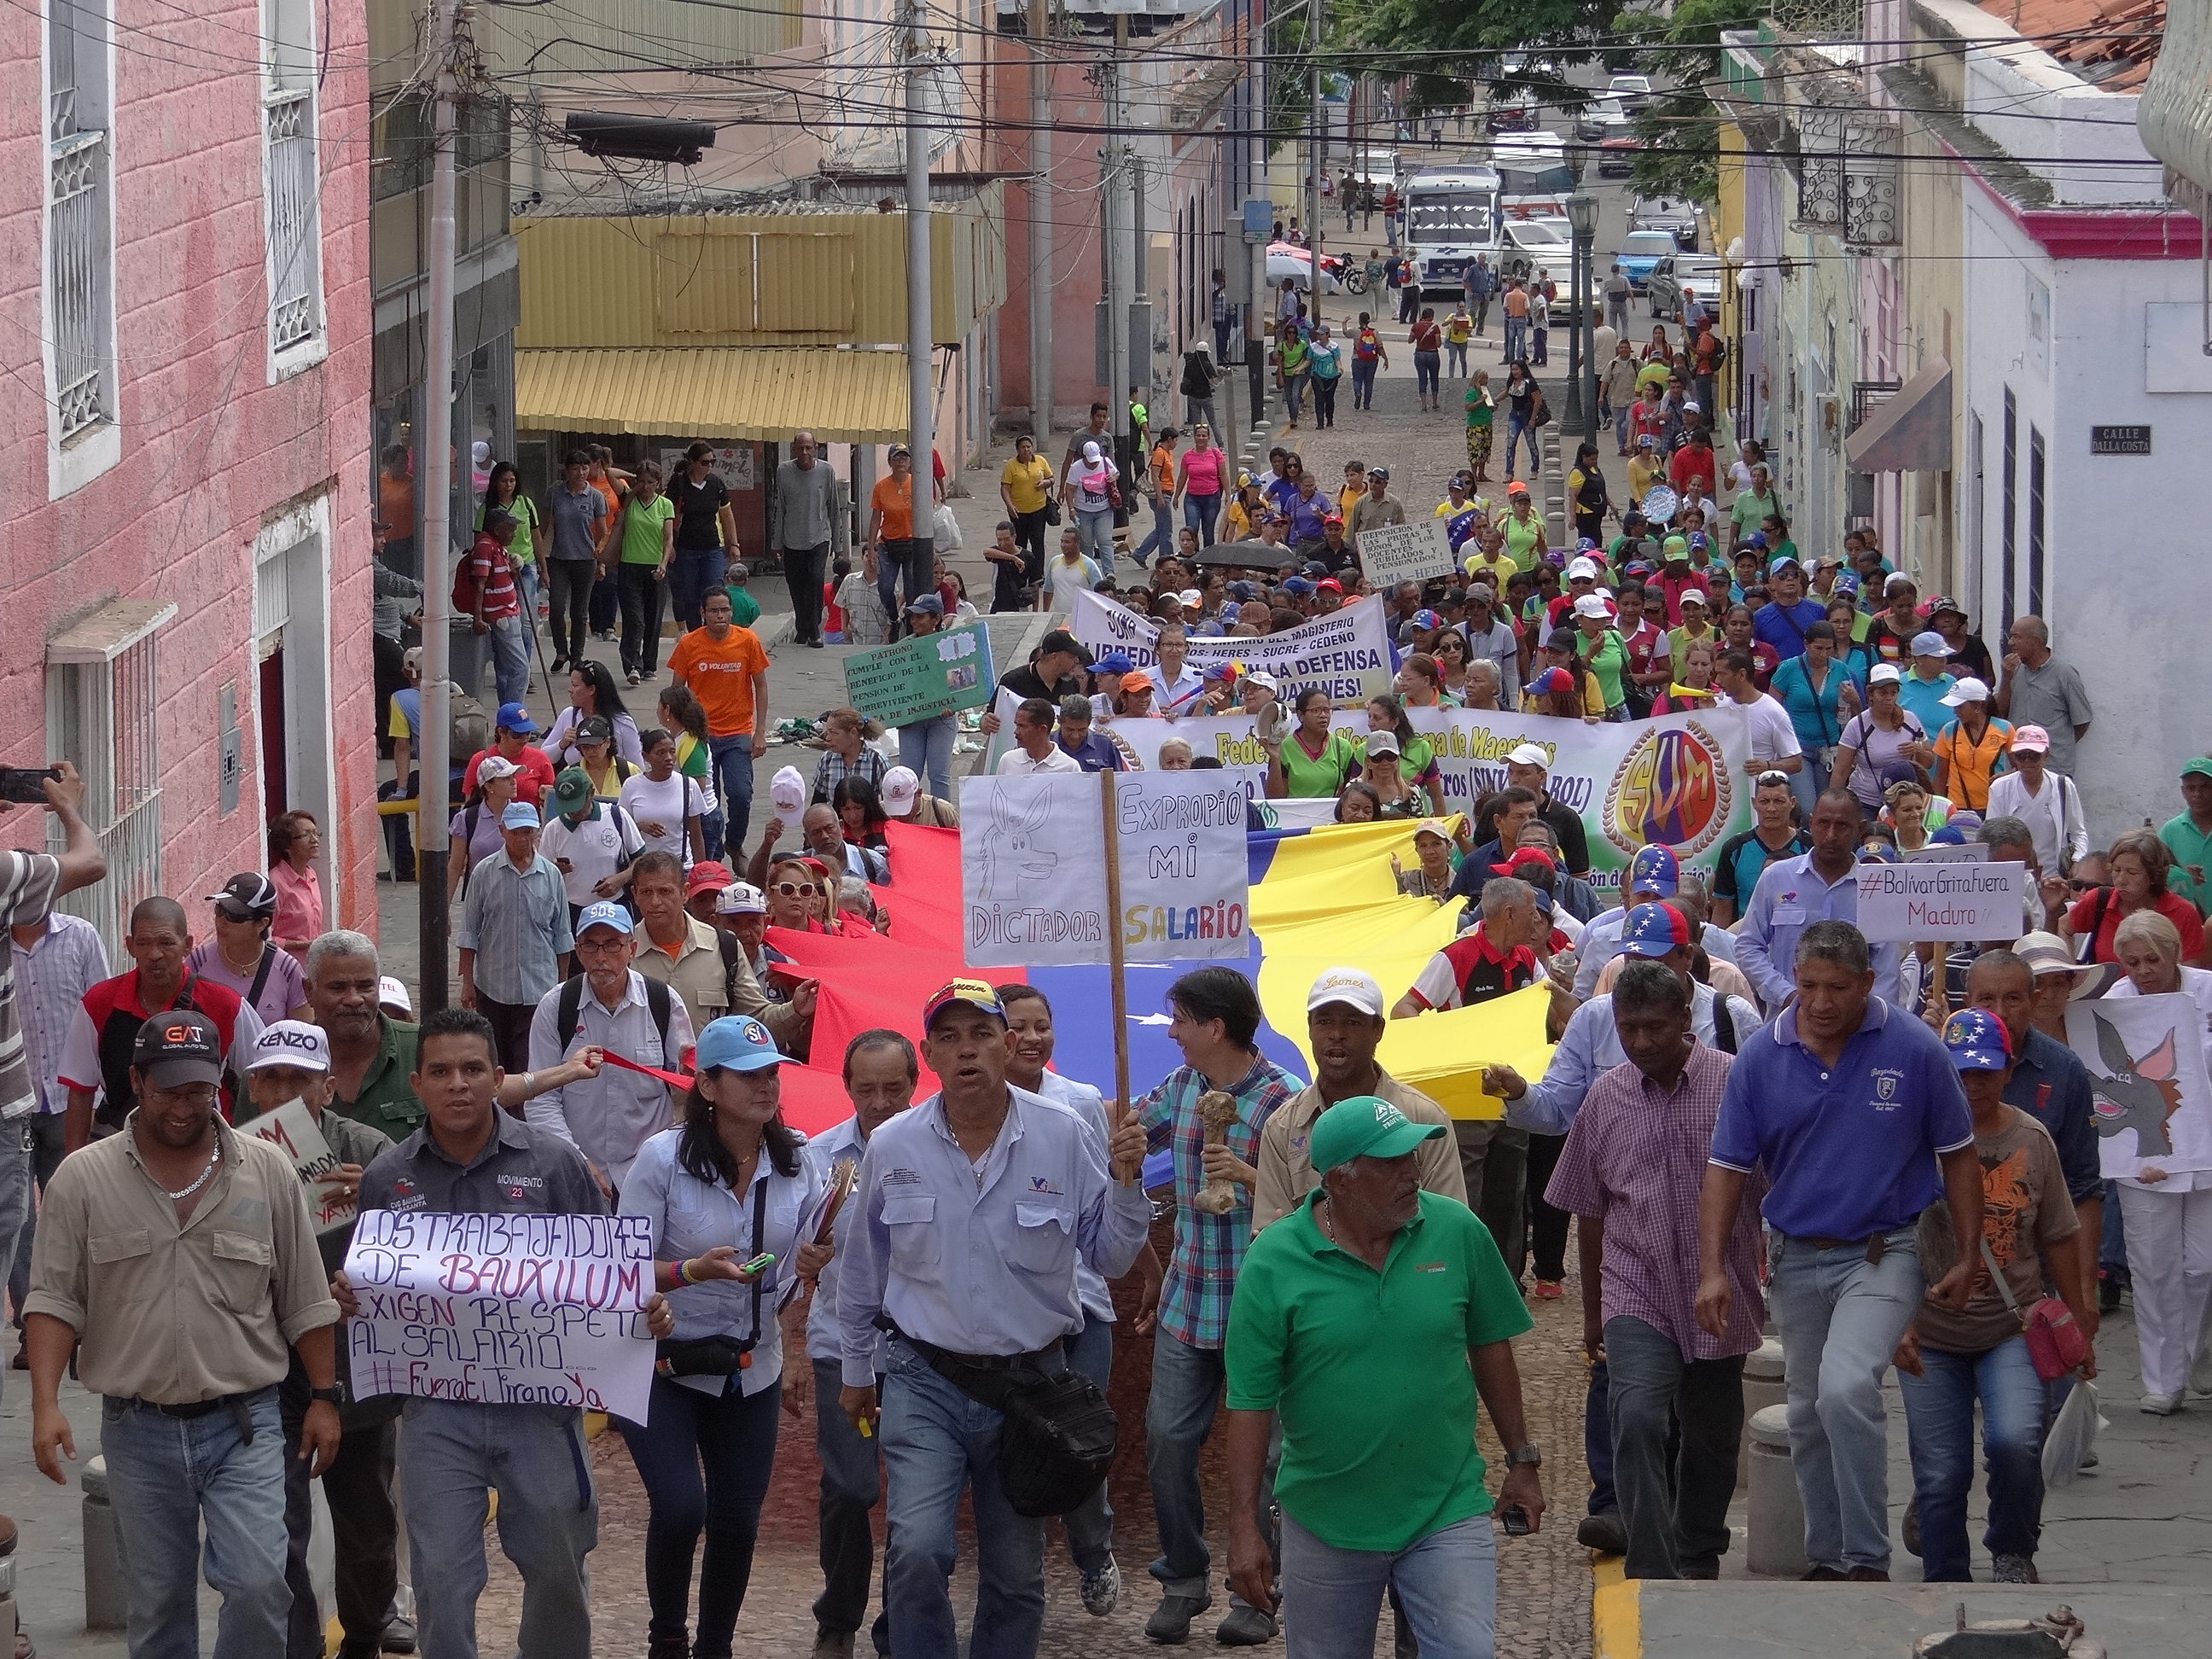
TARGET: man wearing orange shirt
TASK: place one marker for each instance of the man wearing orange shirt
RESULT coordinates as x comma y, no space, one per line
894,532
724,666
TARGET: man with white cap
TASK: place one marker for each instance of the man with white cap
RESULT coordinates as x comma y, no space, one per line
1345,1024
291,1062
514,937
741,911
905,801
613,1008
392,1000
1529,766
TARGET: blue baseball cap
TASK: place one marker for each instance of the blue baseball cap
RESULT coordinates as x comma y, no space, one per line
520,815
1426,618
1114,662
1977,1041
1877,852
735,1042
1244,592
1847,581
1300,586
929,604
513,717
1655,869
1655,930
605,913
1950,836
1931,644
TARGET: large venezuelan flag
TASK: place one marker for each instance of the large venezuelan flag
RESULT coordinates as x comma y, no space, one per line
1320,899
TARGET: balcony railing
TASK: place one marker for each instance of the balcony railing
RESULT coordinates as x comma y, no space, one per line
293,232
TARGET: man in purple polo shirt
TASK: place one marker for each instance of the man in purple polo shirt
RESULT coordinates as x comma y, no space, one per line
1628,1169
1855,1111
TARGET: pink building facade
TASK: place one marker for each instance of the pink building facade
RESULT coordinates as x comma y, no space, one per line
184,268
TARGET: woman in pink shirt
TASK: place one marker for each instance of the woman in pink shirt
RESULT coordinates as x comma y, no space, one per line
1203,477
293,840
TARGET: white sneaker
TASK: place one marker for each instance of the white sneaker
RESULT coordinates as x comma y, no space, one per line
2161,1405
1102,1588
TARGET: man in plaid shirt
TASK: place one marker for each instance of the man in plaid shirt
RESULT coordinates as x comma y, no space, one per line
1216,1014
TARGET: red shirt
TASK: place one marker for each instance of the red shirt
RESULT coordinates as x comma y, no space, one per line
493,577
537,774
1691,462
1645,645
1674,590
2175,908
97,1052
833,614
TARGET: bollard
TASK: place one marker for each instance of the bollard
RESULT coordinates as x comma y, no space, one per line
1775,1544
1762,1387
104,1608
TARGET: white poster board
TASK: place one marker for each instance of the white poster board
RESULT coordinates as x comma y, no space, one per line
1033,868
1347,653
503,1309
1411,552
2146,1061
291,1128
1938,899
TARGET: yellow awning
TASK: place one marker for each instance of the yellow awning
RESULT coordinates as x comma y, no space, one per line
762,393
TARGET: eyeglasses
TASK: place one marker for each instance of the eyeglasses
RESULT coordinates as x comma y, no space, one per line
789,889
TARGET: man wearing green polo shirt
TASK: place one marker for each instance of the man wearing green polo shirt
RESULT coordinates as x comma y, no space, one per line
2188,835
1367,1320
370,1052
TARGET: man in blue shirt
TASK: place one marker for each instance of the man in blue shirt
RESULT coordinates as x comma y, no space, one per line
1653,874
1086,747
1795,893
1782,620
1855,1111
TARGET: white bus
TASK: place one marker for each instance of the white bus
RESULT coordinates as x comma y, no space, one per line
1450,217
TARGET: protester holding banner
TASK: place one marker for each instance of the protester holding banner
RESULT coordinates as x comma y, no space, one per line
470,1158
719,1191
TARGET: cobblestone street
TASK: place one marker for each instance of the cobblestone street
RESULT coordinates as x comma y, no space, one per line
1544,1582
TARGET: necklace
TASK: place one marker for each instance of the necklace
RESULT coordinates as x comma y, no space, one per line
1327,1226
214,1159
251,966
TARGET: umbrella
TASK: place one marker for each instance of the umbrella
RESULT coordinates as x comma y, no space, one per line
1255,555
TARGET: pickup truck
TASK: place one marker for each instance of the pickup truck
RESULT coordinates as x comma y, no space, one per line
1668,213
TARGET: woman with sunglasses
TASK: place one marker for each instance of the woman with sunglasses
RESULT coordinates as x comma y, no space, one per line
2139,862
1883,733
2048,803
241,956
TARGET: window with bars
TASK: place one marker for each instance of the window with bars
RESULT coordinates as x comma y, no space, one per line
80,240
292,186
101,706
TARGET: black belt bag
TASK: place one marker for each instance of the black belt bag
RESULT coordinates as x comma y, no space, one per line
718,1355
1056,1434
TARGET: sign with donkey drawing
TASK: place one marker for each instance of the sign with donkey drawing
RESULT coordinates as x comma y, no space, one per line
1033,868
2154,1097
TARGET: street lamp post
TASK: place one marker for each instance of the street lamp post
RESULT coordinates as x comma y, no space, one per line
1582,397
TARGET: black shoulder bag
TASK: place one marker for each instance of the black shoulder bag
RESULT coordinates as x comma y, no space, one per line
719,1355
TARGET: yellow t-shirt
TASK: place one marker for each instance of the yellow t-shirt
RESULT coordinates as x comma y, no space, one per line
1025,484
1237,526
1458,330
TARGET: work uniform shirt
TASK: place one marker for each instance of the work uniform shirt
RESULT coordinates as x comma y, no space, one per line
385,1100
1285,1165
1791,895
1589,1047
1369,1371
690,1216
173,1314
517,923
521,1169
1852,1149
1470,969
978,1256
609,1116
824,1338
1087,1104
692,968
1601,943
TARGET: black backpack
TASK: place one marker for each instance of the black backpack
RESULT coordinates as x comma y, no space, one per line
569,1010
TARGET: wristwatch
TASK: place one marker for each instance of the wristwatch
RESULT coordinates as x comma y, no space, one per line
336,1394
1527,1454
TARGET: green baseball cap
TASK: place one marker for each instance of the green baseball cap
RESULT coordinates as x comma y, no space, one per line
2200,767
572,791
1364,1127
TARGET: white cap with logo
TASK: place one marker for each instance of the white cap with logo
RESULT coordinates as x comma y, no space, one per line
292,1043
1351,986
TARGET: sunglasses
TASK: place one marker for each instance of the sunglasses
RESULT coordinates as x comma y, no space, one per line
790,888
1765,778
2075,886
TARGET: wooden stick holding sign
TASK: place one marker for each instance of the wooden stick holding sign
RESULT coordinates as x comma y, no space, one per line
1116,964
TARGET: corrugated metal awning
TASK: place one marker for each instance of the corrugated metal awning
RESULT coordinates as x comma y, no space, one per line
761,393
1911,431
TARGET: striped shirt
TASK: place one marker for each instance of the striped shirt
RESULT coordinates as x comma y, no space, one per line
517,923
833,769
1202,1274
51,977
29,883
1635,1160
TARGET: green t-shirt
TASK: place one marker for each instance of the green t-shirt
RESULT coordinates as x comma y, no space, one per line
642,536
1747,509
1607,662
1369,1372
745,608
1481,411
524,511
1310,778
2193,850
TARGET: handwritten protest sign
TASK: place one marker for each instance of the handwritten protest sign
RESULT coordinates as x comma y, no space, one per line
291,1128
922,677
2151,1097
506,1310
1941,900
1394,553
1033,855
1347,653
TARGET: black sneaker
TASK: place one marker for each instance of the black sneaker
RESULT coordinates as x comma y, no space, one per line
1603,1533
1245,1627
1170,1620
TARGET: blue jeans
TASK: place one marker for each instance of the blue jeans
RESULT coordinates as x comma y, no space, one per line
690,574
1939,1422
1446,1585
1620,426
1161,542
926,750
1455,359
452,1454
1516,339
1675,1422
1841,1318
1199,512
850,1486
1090,1524
510,658
1518,432
1362,382
168,1476
18,1154
915,560
1425,372
1094,534
1808,783
732,1437
937,1443
1186,1388
732,759
1294,393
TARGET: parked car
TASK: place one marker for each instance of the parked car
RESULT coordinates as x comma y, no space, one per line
1529,243
1601,119
1511,111
1697,275
1289,259
1668,213
1616,157
1640,251
1634,91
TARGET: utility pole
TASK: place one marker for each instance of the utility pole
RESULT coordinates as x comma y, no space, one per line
1111,160
1040,199
436,457
1317,139
921,402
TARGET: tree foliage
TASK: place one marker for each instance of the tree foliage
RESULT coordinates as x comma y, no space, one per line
1680,128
